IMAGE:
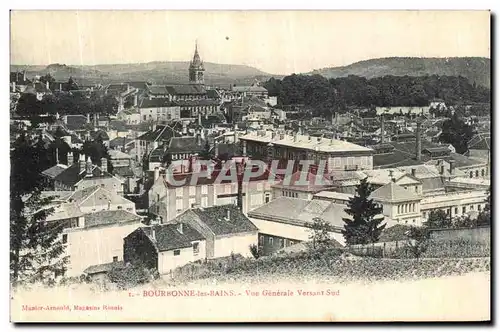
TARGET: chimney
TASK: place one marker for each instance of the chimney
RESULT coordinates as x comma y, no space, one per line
452,166
47,85
216,149
382,128
88,117
156,173
184,128
88,168
153,233
418,145
244,148
198,139
413,171
180,228
199,118
65,119
104,165
81,162
70,158
391,175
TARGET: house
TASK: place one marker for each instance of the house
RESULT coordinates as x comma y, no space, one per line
97,239
226,229
164,247
18,81
83,174
38,89
118,158
479,146
131,116
254,90
171,195
286,221
181,152
155,137
418,110
302,184
159,110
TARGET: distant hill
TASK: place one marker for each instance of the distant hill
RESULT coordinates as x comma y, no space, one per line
474,68
157,72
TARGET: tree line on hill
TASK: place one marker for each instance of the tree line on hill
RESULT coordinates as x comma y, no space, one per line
336,94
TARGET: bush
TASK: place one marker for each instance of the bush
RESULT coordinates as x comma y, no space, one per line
130,275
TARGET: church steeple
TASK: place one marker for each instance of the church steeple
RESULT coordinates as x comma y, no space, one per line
196,68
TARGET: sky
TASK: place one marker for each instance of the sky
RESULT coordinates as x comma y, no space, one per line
276,42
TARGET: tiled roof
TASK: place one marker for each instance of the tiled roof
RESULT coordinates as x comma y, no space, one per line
157,90
65,211
186,89
109,217
304,142
117,154
123,171
167,236
156,102
213,94
215,218
391,192
119,141
54,171
76,122
72,175
161,133
185,144
480,142
96,195
103,268
251,88
200,102
311,183
156,155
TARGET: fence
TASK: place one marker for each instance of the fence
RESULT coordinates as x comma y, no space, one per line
458,248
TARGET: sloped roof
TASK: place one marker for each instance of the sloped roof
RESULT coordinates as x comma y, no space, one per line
72,175
110,217
161,133
119,141
168,237
250,88
102,268
99,133
310,183
76,122
156,102
185,144
117,154
391,192
54,170
96,195
215,218
65,211
480,142
186,89
157,89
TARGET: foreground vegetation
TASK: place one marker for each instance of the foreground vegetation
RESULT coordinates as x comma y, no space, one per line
330,264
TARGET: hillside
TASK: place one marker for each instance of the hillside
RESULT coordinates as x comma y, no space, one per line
475,69
157,72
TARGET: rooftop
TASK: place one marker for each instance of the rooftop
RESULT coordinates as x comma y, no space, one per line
110,217
168,237
304,142
392,193
216,219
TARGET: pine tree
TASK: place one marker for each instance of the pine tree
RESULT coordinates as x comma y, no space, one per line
364,226
35,244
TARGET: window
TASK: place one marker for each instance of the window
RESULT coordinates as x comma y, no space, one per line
399,209
471,174
268,198
416,189
261,240
196,248
477,173
115,258
282,243
65,238
479,207
456,210
177,252
471,208
464,209
119,207
482,172
271,240
425,214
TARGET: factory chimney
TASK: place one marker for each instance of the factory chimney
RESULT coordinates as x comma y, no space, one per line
418,145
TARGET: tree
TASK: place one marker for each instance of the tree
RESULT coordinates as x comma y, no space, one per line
130,275
457,133
365,224
320,235
464,221
206,154
418,241
438,219
255,251
47,78
35,244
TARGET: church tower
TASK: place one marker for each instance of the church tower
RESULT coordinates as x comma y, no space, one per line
196,68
